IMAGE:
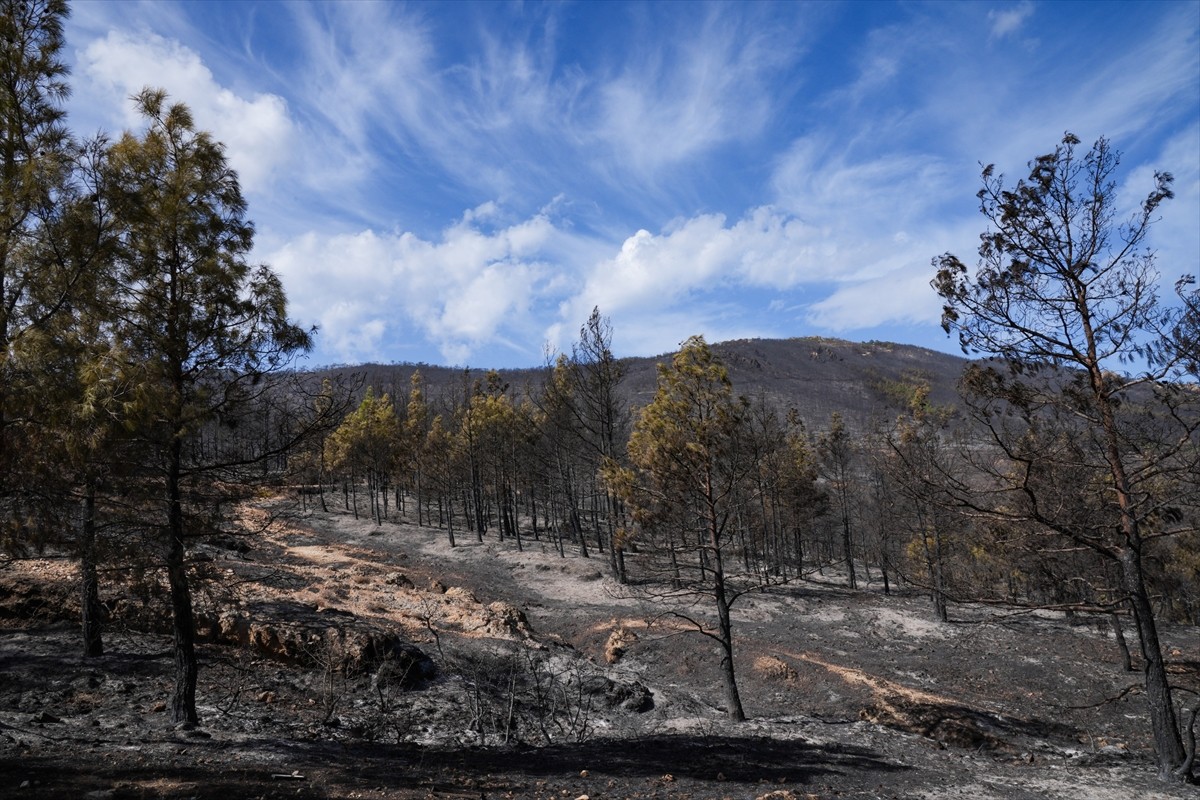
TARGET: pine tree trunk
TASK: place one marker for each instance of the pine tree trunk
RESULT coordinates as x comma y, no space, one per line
1122,645
420,517
183,700
733,701
1165,726
89,585
616,553
847,544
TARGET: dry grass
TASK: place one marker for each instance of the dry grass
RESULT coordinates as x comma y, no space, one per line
776,669
618,642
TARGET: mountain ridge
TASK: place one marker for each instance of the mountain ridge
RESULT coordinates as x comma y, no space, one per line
814,375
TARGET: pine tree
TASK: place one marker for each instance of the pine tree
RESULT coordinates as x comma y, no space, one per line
1065,298
197,331
836,450
367,444
689,470
35,165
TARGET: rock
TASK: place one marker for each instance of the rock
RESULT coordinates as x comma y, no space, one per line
502,619
459,593
632,696
1106,755
233,543
159,707
87,682
46,718
399,579
329,638
405,666
776,669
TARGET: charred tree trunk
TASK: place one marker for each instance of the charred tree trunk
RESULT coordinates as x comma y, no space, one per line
616,551
847,541
183,700
89,585
1122,645
733,701
1165,726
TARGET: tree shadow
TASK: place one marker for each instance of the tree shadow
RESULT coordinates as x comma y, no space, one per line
739,759
970,728
322,766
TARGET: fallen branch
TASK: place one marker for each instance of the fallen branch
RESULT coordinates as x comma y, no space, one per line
294,775
1133,688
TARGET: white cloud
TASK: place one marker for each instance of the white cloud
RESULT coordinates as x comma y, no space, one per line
901,295
256,131
706,87
363,63
1175,236
349,332
462,291
700,257
1123,90
1009,21
836,181
689,277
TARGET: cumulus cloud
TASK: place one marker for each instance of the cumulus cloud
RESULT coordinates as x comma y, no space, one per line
479,283
467,288
690,278
257,131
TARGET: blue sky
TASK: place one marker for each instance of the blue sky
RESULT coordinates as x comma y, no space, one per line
462,183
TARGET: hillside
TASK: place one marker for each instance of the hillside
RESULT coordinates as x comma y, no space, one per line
813,375
349,660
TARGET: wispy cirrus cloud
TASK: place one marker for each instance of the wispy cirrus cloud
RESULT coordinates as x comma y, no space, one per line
712,84
1008,21
733,170
517,116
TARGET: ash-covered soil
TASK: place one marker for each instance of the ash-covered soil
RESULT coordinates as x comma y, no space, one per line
344,659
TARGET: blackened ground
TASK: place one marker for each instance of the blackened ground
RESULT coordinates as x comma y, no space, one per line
851,694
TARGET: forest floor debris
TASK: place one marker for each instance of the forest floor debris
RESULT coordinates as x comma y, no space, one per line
851,694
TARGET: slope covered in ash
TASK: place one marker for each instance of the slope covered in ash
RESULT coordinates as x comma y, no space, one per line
550,681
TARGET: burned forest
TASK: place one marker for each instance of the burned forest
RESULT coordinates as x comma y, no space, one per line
764,568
